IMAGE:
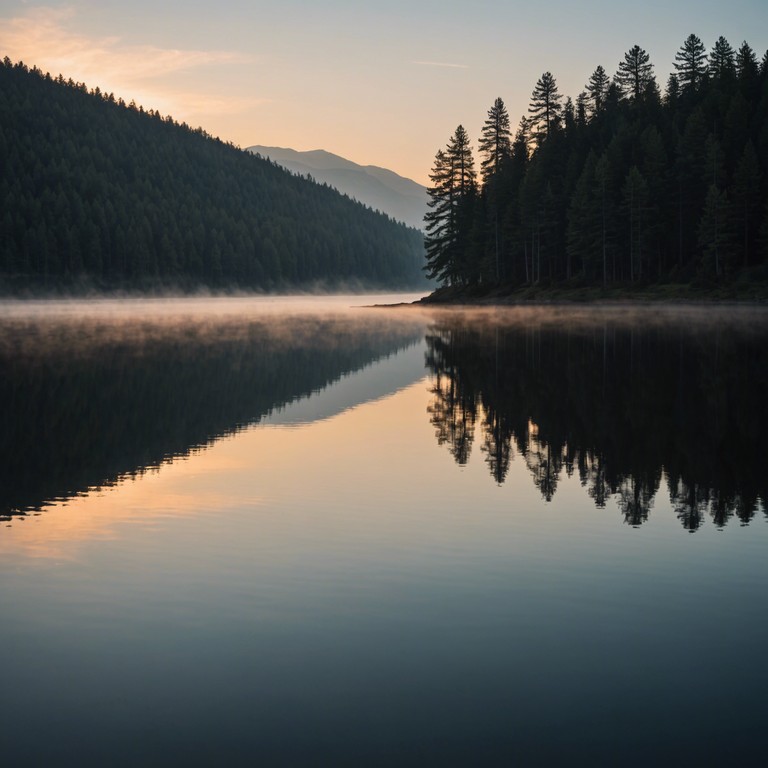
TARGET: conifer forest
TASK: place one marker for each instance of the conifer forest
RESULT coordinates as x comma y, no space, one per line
97,191
630,183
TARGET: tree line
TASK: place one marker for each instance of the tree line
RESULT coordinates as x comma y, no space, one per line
624,185
93,188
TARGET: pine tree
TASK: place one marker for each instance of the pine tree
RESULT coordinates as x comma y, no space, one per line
736,128
513,174
581,109
583,221
460,153
453,183
635,72
748,71
691,63
746,62
521,144
746,197
544,108
439,220
597,88
635,204
654,169
569,115
721,60
672,93
714,235
495,143
495,140
693,176
603,191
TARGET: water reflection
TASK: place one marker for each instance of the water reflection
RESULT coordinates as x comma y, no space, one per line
88,398
632,402
328,587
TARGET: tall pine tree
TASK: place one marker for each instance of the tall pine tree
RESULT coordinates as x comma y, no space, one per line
597,88
495,140
721,60
691,63
635,73
496,146
451,196
544,108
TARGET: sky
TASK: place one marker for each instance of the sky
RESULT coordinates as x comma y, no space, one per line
381,83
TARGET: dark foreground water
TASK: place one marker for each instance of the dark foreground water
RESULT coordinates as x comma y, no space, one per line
282,532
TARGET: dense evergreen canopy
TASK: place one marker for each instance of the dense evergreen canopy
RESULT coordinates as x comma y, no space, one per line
93,188
625,186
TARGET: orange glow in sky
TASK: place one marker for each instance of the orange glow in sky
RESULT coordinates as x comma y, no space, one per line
379,83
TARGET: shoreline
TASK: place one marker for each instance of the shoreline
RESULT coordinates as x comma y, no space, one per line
679,295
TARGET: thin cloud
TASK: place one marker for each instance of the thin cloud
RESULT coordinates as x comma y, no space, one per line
441,64
45,37
203,103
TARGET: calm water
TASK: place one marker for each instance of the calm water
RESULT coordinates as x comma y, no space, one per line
286,532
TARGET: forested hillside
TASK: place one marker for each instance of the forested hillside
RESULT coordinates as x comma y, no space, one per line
623,186
95,189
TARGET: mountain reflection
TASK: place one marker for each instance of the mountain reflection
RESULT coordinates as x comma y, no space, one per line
630,402
85,402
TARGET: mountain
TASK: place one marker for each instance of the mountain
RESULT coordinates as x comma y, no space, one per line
97,192
383,190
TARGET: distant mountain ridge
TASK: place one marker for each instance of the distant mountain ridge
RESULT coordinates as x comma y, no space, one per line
381,189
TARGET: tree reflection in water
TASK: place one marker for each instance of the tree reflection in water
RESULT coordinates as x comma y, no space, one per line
84,402
628,401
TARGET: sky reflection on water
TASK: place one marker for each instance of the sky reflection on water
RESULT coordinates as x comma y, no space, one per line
332,587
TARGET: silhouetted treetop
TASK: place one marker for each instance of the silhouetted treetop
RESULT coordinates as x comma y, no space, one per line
597,88
545,107
635,72
495,140
691,62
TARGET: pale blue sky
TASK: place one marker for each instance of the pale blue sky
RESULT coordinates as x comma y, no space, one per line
363,79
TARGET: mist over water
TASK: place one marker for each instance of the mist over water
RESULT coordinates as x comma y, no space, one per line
299,530
101,389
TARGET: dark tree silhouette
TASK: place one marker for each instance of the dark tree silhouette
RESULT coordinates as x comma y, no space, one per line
451,195
597,88
618,195
495,142
722,62
544,108
746,63
691,63
635,72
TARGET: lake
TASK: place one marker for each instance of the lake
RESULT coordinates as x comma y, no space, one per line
304,531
